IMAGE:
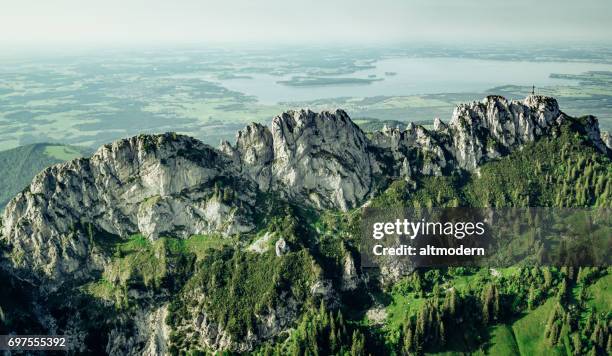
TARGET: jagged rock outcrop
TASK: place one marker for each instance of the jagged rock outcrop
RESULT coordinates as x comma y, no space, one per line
401,153
477,132
280,247
350,276
493,127
254,153
147,333
320,158
606,138
156,185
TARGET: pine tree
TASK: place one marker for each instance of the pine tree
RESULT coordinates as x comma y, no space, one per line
496,303
408,345
549,323
333,338
341,326
295,348
562,291
580,276
358,344
453,302
267,351
454,203
417,284
598,335
490,304
216,190
227,194
588,325
421,323
599,186
436,293
553,336
323,315
442,334
567,322
450,304
577,344
532,298
547,277
486,315
418,342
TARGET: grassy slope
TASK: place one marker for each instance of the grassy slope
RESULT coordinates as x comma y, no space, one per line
600,294
529,332
139,260
503,341
19,165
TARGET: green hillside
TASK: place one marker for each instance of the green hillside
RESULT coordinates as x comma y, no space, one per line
440,311
19,165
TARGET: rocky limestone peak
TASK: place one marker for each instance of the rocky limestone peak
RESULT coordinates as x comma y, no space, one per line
321,157
388,137
253,134
494,126
156,160
152,184
590,126
439,125
254,152
543,105
226,148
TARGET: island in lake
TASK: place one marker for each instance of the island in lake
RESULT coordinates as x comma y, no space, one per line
303,81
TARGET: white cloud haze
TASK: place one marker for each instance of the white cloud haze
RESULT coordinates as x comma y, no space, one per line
66,22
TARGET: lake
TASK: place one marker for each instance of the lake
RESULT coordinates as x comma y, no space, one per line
416,76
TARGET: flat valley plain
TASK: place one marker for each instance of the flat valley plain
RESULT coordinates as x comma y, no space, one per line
92,98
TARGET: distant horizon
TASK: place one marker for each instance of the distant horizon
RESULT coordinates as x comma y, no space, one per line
77,50
72,24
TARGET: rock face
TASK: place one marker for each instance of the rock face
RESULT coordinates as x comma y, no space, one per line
148,334
495,126
280,247
270,322
320,158
606,138
477,132
163,184
350,276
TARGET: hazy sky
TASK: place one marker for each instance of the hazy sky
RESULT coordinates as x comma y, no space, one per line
119,22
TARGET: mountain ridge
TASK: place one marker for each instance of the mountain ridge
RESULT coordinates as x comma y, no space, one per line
146,246
19,165
175,185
